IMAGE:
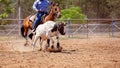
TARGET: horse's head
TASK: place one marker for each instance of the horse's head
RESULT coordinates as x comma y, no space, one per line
61,28
56,10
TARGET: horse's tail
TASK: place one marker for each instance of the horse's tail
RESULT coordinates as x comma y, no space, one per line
22,31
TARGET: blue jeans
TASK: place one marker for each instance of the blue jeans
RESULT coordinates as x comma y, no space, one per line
37,19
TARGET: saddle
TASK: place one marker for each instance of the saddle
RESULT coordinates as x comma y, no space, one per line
32,18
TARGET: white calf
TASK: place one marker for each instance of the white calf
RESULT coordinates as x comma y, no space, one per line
47,31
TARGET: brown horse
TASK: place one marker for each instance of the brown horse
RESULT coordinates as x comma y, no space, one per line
27,24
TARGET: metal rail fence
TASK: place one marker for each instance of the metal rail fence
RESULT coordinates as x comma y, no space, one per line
11,27
92,27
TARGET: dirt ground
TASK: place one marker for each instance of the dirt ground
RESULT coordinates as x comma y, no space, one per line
76,53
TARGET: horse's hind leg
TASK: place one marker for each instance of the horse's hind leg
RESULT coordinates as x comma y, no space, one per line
26,42
26,32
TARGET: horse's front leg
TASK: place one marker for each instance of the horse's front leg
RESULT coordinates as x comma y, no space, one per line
26,32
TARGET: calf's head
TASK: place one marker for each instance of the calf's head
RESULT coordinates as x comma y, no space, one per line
61,28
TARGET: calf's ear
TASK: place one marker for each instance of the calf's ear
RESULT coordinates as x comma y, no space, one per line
57,4
54,28
65,23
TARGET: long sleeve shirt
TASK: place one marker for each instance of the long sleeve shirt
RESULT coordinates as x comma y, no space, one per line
41,5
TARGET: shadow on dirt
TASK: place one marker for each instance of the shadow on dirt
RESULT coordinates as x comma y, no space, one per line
69,51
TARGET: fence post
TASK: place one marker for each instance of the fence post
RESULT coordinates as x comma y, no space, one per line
113,27
19,16
68,27
87,27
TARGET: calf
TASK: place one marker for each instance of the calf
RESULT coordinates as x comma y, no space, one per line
48,30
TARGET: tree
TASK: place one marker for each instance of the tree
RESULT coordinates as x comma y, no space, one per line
90,8
5,8
73,13
26,8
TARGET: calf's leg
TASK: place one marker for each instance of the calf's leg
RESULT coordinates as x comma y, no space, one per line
41,42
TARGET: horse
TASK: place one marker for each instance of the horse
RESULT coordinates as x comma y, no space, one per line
27,24
47,31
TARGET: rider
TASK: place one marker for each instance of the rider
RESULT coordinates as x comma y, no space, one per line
40,6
